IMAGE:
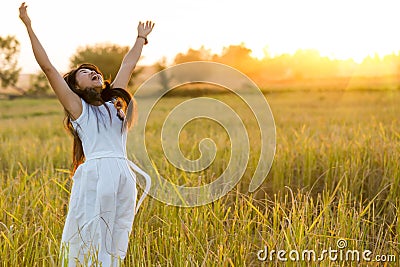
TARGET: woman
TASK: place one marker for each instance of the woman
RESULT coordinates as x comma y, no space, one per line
103,196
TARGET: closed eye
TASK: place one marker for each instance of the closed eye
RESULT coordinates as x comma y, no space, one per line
82,71
85,71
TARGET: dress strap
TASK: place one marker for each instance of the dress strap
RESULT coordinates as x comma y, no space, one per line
148,183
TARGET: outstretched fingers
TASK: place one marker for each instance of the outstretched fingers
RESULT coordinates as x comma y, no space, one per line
146,25
23,14
149,24
144,28
22,7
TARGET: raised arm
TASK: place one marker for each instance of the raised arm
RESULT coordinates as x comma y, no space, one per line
131,58
66,96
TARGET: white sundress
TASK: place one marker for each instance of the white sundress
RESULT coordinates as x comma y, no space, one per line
103,197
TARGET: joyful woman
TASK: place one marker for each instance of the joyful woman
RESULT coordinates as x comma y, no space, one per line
103,197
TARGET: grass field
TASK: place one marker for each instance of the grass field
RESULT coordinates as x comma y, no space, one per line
335,177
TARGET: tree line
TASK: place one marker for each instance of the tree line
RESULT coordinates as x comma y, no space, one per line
302,65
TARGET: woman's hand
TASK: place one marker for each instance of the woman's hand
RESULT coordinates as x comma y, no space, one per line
145,28
120,106
23,14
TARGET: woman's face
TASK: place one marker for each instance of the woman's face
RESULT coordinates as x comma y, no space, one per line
86,78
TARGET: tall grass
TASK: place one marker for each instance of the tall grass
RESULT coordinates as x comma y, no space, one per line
335,176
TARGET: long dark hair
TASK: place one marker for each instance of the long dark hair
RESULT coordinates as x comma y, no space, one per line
92,97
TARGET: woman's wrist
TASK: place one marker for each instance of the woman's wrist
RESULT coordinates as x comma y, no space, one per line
144,38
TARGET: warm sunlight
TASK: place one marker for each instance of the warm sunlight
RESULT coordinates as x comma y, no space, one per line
249,133
340,29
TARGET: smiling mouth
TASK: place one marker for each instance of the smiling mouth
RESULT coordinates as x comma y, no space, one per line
97,78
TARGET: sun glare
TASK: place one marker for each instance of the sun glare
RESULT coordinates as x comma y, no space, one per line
340,29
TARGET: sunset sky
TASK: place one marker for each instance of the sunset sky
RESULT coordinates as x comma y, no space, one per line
337,28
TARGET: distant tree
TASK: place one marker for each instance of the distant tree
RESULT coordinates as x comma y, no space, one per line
237,56
9,71
392,63
107,57
276,68
201,54
309,64
164,78
39,85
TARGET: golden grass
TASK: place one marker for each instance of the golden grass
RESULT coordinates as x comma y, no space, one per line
335,176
